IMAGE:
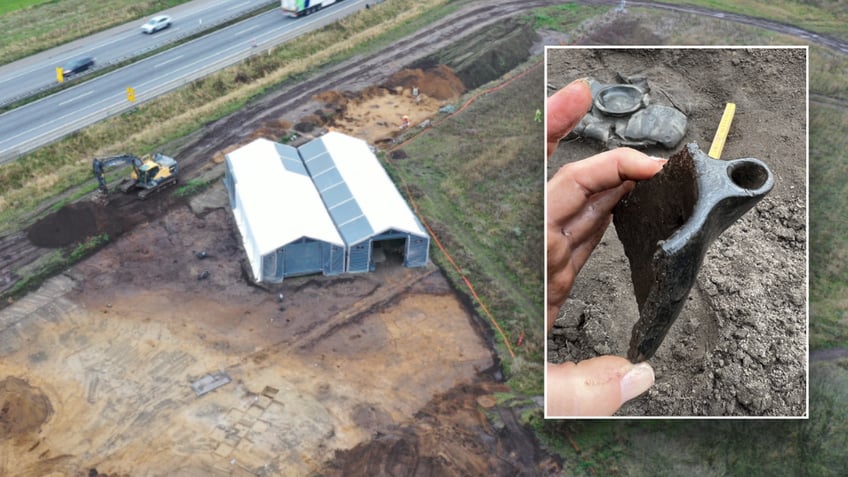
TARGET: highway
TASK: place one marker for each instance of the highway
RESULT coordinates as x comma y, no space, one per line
38,123
37,73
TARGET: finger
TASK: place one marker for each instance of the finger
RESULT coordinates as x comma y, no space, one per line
594,387
605,170
594,214
580,254
559,286
565,109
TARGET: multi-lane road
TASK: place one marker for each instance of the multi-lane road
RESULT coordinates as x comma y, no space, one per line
38,72
28,127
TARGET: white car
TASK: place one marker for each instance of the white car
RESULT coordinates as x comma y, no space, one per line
156,23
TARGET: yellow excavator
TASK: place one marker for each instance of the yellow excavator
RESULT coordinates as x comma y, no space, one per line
150,174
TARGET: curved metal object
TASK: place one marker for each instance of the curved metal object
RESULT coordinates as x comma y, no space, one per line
623,115
666,226
619,100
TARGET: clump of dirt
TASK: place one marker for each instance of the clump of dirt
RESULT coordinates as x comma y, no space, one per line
439,82
23,408
273,130
75,223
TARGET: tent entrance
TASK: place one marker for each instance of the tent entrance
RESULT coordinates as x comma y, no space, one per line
388,252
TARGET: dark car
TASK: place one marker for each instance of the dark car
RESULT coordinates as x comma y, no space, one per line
78,65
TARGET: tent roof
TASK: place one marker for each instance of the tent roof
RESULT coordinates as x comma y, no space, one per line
358,192
278,198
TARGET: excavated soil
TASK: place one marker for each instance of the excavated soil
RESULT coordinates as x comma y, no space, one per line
376,114
739,347
75,223
23,408
323,369
430,448
121,336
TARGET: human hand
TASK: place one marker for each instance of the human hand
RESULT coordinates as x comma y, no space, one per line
582,194
580,199
594,387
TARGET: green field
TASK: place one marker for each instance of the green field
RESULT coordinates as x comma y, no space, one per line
12,5
821,16
477,179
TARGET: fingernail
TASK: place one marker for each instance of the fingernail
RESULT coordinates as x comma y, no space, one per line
638,380
584,81
658,159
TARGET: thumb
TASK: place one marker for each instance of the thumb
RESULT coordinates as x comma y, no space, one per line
595,387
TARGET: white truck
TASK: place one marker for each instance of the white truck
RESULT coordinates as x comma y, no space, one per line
299,8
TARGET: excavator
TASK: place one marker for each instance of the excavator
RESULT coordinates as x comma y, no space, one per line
150,174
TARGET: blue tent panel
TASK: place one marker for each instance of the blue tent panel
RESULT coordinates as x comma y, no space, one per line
302,257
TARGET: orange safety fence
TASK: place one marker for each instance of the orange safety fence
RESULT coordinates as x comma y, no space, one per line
427,226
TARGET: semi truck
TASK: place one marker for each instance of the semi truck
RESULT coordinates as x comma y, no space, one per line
299,8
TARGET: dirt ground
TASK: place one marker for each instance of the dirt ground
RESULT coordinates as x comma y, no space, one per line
328,377
377,114
739,348
113,345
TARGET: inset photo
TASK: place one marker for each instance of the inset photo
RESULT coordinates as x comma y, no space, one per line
676,232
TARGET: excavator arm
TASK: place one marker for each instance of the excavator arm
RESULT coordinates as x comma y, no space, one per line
99,165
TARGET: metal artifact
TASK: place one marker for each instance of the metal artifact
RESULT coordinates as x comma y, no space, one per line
624,115
667,224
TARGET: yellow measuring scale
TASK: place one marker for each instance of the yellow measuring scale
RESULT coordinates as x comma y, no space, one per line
721,132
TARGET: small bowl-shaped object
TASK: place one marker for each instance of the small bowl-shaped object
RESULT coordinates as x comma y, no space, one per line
619,100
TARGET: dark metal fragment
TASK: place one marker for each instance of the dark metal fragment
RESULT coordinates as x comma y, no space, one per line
666,226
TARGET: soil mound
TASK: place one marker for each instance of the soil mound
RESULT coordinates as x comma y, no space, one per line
75,223
487,55
23,408
439,82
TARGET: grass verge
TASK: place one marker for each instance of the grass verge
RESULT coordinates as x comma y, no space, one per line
53,263
192,187
828,226
823,16
477,178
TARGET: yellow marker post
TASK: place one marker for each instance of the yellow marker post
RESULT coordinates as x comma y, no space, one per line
60,74
131,94
721,132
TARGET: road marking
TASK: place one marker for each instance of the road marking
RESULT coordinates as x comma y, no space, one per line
297,28
238,5
247,30
75,98
157,65
61,119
